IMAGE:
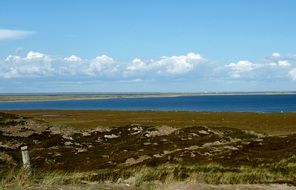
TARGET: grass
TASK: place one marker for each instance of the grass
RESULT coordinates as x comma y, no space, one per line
269,123
217,174
150,177
18,179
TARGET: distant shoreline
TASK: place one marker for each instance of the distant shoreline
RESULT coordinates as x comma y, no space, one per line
93,96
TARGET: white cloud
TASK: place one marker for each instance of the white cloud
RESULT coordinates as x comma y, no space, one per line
274,67
167,65
241,67
73,58
13,58
178,64
276,54
277,60
101,63
72,65
39,64
37,56
280,63
292,74
283,63
34,64
7,34
137,65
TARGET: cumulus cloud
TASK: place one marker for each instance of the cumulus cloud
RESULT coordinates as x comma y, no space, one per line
8,34
280,63
37,56
71,65
241,67
102,63
73,58
277,60
173,65
276,66
137,65
36,64
181,67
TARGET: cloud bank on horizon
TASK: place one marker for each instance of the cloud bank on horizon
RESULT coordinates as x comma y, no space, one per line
36,64
39,65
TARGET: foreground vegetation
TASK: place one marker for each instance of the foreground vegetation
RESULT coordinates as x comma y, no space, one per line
161,177
138,156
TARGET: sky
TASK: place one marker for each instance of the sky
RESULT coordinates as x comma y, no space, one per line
147,45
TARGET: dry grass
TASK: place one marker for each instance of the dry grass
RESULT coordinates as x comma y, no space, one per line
161,177
18,179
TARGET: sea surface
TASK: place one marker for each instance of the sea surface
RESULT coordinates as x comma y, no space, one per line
216,103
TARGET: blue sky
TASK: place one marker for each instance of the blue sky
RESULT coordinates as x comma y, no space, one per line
155,45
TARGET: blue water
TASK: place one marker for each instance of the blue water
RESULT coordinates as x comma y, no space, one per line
236,103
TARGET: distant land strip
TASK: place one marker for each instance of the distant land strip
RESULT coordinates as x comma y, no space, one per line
12,97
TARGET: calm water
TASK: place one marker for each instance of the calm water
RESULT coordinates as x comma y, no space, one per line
238,103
